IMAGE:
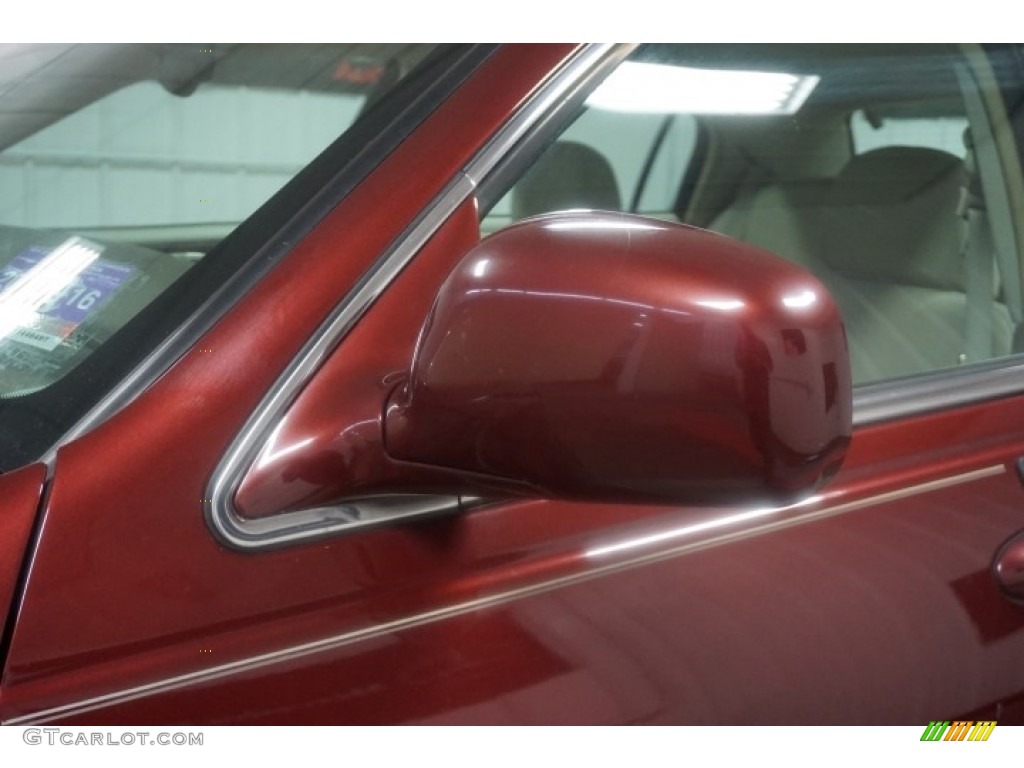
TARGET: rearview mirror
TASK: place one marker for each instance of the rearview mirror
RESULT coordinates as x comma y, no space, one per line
612,357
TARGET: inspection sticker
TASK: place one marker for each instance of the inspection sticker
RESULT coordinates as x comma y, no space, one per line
59,316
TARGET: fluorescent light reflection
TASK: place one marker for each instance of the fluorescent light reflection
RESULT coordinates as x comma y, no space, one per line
21,301
723,305
801,300
660,88
269,455
599,225
689,530
579,297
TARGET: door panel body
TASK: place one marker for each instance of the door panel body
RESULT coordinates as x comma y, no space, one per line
21,492
870,604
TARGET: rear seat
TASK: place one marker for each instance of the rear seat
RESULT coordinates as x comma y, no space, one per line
883,235
781,218
885,238
567,176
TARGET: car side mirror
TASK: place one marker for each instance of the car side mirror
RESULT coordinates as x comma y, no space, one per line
612,357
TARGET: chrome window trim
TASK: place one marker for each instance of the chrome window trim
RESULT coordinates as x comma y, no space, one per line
561,91
592,62
939,390
502,161
247,534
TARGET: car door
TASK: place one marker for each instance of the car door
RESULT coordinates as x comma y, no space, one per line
185,571
185,595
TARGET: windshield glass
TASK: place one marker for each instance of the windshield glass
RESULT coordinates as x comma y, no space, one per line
123,166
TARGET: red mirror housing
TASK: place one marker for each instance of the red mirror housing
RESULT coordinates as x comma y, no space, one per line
613,357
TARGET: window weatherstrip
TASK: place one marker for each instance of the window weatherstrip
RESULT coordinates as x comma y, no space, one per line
874,403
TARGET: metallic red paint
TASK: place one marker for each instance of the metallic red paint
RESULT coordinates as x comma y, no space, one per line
20,492
612,357
1008,566
767,615
330,446
541,611
148,493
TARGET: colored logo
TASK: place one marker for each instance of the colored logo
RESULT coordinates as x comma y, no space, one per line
959,730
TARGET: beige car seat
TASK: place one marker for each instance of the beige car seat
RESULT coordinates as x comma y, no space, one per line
885,237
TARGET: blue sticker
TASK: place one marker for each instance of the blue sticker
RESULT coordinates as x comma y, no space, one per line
87,293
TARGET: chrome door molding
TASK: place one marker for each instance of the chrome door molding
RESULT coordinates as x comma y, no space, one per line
603,559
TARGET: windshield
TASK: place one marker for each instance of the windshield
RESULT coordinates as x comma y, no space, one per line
122,167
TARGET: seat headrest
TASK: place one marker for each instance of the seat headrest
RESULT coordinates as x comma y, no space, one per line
568,175
892,174
891,215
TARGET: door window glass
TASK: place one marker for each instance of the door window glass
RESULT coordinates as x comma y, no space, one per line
888,171
943,132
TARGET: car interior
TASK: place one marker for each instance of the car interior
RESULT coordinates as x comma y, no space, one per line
870,185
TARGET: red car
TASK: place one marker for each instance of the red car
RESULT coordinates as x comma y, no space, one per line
519,384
